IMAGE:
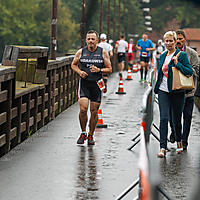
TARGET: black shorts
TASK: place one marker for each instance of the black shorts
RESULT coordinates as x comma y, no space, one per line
144,59
121,57
90,90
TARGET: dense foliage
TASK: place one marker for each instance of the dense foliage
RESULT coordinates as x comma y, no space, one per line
29,22
185,12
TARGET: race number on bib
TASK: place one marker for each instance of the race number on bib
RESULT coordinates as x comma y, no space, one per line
144,54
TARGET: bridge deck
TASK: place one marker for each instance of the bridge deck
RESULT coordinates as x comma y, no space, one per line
49,164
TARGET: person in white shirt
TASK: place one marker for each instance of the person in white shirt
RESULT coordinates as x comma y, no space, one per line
109,49
121,47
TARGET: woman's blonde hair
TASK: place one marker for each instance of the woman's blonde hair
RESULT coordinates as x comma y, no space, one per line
170,33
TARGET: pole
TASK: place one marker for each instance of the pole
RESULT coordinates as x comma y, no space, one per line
100,16
108,22
82,26
119,30
54,29
124,18
114,23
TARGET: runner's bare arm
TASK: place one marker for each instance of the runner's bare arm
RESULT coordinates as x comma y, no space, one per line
107,63
75,63
139,47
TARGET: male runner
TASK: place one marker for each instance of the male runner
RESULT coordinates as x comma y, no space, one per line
93,62
144,45
109,49
121,48
130,53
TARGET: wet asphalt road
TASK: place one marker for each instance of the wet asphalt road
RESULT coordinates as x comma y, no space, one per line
49,165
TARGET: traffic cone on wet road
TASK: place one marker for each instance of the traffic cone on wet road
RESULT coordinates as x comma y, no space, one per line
121,87
135,68
100,120
129,75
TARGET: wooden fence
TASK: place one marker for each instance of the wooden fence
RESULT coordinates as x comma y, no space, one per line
24,110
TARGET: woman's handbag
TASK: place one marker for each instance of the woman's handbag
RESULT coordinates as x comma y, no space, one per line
180,81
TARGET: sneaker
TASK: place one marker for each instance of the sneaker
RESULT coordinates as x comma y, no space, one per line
162,153
172,138
82,138
179,147
141,80
91,140
145,80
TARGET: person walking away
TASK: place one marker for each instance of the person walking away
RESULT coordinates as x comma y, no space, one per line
130,53
109,49
93,61
189,97
168,98
159,50
121,48
145,45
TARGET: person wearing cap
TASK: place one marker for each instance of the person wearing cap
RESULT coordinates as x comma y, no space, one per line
130,53
109,49
159,50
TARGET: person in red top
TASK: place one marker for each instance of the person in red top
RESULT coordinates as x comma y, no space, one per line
130,53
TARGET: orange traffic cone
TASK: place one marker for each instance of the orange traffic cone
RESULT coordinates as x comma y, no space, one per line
100,120
135,68
121,87
129,76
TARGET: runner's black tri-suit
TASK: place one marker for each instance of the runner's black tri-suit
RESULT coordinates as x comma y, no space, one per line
88,87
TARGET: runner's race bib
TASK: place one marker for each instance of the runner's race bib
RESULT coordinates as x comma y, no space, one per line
144,54
101,84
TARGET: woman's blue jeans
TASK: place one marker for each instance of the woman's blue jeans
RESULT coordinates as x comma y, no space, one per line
176,102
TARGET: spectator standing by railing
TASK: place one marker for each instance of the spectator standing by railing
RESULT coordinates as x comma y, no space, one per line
189,97
159,50
167,98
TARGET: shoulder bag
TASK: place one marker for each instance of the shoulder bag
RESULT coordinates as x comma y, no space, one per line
180,81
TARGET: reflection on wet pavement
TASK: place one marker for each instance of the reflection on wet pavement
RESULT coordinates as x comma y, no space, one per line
87,182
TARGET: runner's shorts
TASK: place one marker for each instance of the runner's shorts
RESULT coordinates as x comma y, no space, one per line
130,56
90,90
121,57
144,59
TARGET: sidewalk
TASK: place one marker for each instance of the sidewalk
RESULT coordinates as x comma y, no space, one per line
49,165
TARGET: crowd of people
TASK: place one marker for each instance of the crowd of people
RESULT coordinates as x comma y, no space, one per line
93,65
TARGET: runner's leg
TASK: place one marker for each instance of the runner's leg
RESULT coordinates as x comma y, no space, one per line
83,118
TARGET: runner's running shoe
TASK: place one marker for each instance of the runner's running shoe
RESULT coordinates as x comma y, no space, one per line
141,80
82,138
91,140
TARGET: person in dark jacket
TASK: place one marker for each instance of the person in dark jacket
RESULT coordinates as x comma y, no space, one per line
168,98
189,96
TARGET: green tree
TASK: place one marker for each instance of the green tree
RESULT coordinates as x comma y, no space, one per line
185,12
29,23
